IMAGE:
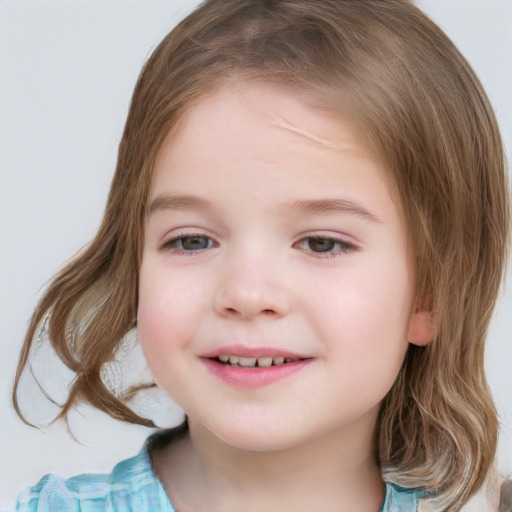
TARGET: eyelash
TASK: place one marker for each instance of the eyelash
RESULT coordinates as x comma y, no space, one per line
176,243
336,246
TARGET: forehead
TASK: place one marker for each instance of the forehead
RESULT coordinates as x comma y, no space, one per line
268,109
277,141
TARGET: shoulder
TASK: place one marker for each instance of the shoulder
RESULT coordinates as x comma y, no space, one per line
400,499
131,485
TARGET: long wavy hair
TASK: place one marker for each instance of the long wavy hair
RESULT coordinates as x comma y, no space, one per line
418,105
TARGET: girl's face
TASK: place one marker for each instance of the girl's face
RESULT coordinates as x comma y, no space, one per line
276,292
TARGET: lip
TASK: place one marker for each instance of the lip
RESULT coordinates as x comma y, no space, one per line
240,350
253,377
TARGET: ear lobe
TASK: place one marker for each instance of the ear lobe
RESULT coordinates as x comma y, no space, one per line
421,328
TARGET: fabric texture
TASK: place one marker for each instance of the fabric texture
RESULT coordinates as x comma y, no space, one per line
133,487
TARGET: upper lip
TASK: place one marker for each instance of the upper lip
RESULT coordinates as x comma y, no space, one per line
243,351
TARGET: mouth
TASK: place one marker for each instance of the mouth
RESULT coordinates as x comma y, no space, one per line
245,368
254,362
253,371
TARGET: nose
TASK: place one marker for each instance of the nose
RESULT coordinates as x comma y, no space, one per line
250,289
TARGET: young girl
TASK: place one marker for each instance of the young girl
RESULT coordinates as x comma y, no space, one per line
307,229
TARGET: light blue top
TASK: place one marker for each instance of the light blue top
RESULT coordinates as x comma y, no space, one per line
132,486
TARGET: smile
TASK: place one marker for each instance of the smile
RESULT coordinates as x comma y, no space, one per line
254,362
245,370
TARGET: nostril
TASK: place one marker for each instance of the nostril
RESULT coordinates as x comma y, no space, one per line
248,302
235,311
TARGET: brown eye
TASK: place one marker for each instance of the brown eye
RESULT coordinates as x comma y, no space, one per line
317,244
324,246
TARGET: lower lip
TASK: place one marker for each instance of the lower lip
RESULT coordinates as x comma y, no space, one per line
254,378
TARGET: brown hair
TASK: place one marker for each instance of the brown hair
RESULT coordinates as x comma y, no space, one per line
418,104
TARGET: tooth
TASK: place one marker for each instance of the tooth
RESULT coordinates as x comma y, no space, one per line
233,359
278,360
247,361
223,358
264,361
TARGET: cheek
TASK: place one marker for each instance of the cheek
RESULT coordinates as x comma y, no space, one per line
166,317
168,308
364,316
368,301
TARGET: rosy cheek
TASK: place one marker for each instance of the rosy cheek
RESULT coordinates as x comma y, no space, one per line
157,330
167,312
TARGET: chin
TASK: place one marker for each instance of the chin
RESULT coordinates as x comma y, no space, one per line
255,435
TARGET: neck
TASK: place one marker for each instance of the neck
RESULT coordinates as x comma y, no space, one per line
336,472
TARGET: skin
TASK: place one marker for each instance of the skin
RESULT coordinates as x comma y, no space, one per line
272,227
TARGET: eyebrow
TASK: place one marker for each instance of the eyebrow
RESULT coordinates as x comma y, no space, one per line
182,202
304,206
326,206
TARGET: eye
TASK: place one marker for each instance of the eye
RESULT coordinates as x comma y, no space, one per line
324,246
189,243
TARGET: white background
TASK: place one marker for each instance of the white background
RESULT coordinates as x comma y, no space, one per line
67,69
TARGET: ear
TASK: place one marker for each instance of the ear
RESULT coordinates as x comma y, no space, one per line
421,328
